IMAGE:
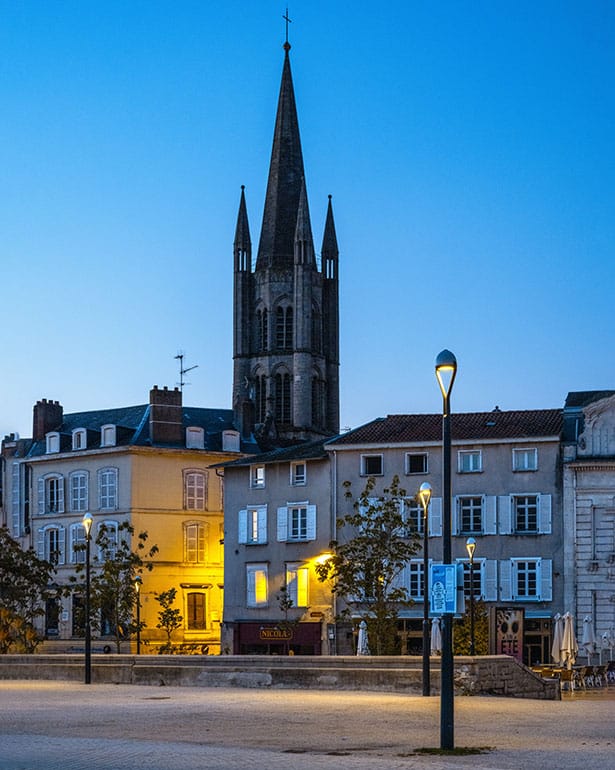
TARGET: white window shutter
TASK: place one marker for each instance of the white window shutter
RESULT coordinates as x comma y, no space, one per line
456,516
546,582
243,526
311,522
61,545
506,592
251,588
40,543
490,516
544,514
505,510
61,495
282,524
435,517
490,580
41,496
262,524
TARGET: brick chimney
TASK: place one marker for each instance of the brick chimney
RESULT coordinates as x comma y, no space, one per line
165,416
48,416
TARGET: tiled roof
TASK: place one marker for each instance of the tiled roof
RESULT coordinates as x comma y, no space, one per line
410,428
312,450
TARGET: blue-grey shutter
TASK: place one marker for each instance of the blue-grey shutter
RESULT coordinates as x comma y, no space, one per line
506,592
311,522
40,543
262,524
546,582
456,516
490,516
41,495
282,524
490,580
61,494
435,517
243,526
505,512
62,545
250,587
544,514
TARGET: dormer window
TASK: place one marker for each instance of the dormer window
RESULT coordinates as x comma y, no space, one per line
52,443
79,438
195,438
257,476
107,435
230,441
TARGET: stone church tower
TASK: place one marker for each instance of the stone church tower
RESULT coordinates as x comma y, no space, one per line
286,306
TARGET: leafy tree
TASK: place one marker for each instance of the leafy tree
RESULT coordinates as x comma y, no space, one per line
462,630
113,594
25,585
285,603
169,617
366,567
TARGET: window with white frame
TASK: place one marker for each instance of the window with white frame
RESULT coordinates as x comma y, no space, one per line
107,489
257,476
78,481
297,581
77,544
526,579
525,513
107,435
231,441
51,493
79,438
196,617
108,536
475,585
296,523
195,438
195,490
52,443
257,592
416,583
416,462
298,473
413,518
525,459
51,544
195,542
253,525
469,461
372,465
470,515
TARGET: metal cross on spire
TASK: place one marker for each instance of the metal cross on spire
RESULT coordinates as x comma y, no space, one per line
288,21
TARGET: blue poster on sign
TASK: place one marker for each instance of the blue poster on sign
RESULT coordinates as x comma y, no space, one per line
443,599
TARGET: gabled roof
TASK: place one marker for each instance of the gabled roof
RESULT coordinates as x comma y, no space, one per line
472,426
312,450
132,427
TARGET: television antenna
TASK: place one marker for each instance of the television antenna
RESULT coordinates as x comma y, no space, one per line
183,370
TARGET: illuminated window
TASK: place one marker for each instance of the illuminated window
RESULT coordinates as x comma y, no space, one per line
253,525
257,476
256,585
297,580
195,543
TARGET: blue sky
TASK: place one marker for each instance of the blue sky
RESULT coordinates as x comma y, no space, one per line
468,148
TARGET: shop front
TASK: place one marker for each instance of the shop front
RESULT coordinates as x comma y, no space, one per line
277,638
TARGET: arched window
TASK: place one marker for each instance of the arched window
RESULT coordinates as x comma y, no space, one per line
195,490
284,328
282,397
260,398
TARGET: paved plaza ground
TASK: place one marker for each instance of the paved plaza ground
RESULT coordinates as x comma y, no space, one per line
66,726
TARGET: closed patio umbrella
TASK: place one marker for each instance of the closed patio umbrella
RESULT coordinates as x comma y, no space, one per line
558,631
362,641
588,640
569,645
436,637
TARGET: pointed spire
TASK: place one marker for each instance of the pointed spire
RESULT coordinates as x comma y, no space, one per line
242,231
276,247
304,243
329,238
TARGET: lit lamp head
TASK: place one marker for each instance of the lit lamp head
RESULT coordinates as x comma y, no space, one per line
87,524
471,547
138,582
425,495
446,369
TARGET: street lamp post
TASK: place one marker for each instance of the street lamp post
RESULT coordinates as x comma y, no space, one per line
471,547
446,370
425,497
87,525
138,582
